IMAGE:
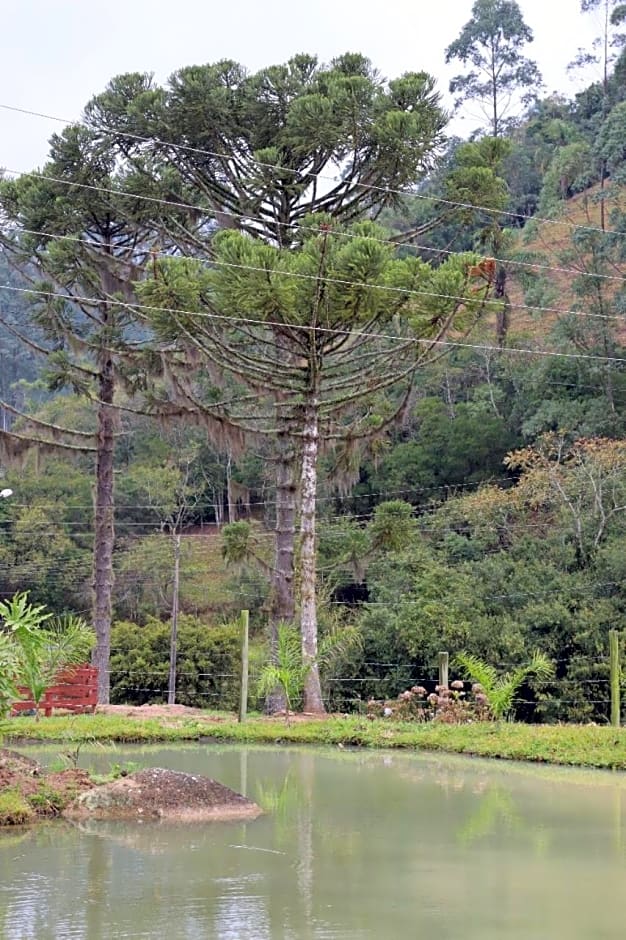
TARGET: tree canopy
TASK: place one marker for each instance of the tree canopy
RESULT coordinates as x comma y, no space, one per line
500,76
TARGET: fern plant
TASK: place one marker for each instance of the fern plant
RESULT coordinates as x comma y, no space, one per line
500,690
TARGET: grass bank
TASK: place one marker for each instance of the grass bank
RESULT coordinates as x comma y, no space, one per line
570,745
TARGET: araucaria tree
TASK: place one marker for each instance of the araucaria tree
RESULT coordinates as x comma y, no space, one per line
259,153
76,230
500,76
319,331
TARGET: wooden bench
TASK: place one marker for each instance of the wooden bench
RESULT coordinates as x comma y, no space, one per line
75,690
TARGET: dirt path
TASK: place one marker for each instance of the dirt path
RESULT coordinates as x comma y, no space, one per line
173,714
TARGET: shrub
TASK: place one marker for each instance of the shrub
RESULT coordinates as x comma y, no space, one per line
208,663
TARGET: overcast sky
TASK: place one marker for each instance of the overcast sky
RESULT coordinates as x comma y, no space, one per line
57,53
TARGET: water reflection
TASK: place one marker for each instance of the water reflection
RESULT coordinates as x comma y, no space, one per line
353,845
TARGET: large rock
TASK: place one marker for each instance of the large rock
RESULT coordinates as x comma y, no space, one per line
162,794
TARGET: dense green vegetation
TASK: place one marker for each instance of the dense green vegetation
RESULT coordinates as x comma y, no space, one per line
445,389
208,663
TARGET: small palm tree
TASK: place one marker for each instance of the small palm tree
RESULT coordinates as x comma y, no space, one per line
287,671
8,665
22,620
500,690
34,648
41,655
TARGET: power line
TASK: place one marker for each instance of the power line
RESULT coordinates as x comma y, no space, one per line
490,303
237,594
392,242
518,216
419,513
122,507
328,330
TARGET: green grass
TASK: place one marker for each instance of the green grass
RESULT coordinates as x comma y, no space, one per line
573,745
14,809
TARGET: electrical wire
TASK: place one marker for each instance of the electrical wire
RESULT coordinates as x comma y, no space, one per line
326,330
266,502
518,216
215,263
485,301
392,242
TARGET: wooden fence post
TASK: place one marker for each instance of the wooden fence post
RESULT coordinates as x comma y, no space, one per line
616,709
443,670
243,700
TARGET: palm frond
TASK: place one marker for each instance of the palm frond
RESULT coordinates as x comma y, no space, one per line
477,670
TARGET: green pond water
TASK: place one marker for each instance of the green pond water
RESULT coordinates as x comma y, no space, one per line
352,845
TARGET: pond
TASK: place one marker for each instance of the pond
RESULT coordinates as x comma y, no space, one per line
353,845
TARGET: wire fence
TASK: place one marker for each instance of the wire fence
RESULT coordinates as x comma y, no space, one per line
575,696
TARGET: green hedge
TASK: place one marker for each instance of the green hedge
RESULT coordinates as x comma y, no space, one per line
208,663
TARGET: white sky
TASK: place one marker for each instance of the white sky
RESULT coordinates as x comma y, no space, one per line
56,54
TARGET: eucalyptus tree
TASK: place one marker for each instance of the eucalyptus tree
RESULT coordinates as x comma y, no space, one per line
604,51
322,332
606,45
80,238
259,152
491,44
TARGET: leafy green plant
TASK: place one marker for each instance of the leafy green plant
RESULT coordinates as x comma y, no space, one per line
208,662
20,625
123,769
500,690
47,801
21,619
286,671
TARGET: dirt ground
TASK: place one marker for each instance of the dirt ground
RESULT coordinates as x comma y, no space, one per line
157,793
154,711
152,793
175,712
47,793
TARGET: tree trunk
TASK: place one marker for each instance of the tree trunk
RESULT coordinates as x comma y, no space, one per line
229,491
282,605
104,532
605,110
503,316
171,682
494,93
308,604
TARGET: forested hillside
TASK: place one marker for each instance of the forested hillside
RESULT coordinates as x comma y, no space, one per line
392,400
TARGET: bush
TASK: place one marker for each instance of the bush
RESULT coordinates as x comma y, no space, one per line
208,663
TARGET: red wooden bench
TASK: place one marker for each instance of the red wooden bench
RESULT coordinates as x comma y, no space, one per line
75,690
